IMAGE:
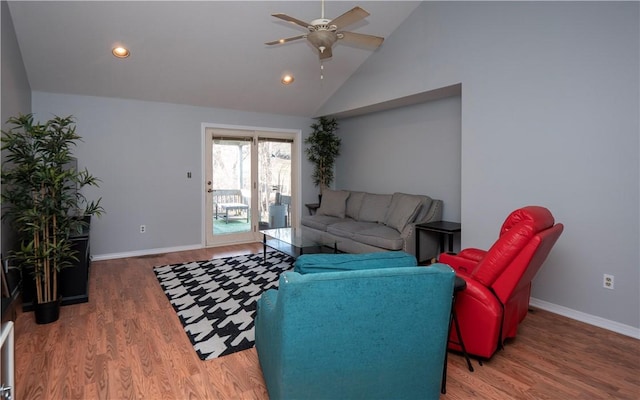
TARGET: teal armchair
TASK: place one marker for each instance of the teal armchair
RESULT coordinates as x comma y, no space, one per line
357,334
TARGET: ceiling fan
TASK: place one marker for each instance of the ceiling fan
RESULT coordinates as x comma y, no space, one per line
323,33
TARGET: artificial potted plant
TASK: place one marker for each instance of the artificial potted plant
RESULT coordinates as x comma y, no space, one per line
41,193
323,149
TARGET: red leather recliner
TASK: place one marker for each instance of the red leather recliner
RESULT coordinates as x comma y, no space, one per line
496,299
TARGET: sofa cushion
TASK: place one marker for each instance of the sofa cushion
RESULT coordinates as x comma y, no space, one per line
348,228
334,203
425,209
403,210
354,202
319,222
374,207
309,263
380,236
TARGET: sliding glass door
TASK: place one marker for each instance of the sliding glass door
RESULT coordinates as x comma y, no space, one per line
248,183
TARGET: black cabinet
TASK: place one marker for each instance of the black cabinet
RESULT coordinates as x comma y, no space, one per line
73,281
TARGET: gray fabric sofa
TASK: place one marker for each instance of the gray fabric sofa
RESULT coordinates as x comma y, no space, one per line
366,222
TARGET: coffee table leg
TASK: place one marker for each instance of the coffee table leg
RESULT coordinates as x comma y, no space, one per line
417,233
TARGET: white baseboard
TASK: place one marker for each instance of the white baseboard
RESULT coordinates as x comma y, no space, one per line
146,252
617,327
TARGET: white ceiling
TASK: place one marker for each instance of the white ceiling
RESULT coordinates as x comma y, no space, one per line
203,53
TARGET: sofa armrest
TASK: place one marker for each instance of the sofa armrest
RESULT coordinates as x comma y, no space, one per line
433,214
428,243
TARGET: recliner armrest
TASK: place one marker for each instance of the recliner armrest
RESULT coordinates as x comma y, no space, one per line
472,253
459,262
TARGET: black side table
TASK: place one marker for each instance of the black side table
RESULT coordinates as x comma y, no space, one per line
443,229
312,207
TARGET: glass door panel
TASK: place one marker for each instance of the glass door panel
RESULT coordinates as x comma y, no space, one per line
229,187
274,182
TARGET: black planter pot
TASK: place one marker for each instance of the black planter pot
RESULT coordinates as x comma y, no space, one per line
73,282
47,312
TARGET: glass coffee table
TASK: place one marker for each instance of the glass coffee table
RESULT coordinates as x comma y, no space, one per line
296,241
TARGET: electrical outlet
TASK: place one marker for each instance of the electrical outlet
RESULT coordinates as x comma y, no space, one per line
607,282
143,228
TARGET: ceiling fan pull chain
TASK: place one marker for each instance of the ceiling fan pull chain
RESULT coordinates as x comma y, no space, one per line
321,70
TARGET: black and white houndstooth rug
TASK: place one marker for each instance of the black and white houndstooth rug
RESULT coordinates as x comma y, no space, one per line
216,299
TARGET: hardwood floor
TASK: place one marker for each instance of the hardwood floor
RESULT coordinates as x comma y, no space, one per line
127,343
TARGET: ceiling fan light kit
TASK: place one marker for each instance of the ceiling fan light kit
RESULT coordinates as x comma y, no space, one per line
324,33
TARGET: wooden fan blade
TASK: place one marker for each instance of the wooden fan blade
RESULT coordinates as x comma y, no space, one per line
326,53
361,39
291,19
280,41
348,18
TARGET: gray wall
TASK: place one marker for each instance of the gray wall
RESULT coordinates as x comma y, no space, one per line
413,149
142,151
550,116
16,92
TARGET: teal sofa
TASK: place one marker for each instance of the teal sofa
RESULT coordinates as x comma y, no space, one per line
355,334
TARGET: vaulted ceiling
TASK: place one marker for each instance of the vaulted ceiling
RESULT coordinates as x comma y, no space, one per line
202,53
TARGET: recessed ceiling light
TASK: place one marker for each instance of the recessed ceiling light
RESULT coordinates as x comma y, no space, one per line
287,79
120,52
